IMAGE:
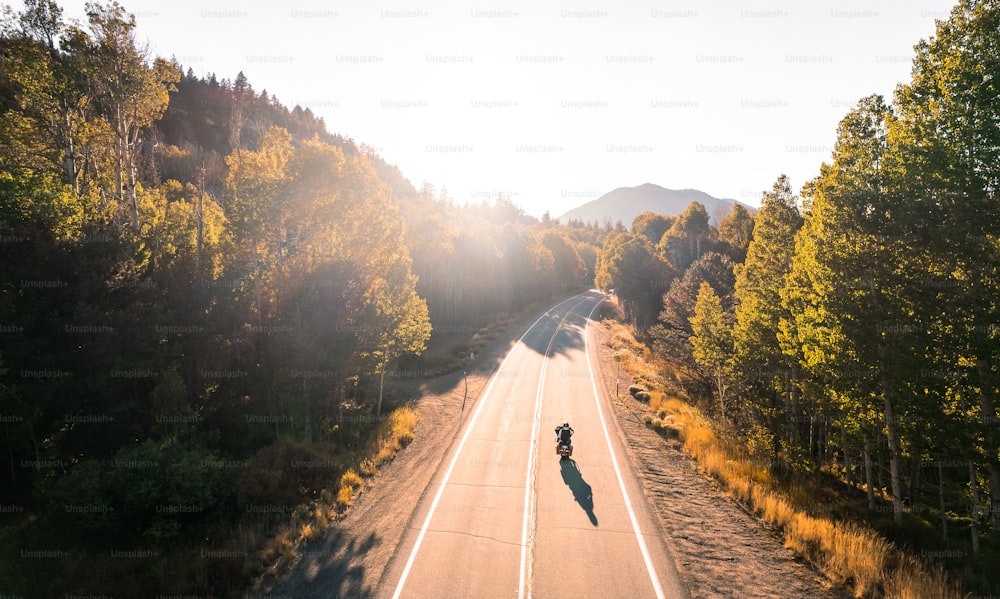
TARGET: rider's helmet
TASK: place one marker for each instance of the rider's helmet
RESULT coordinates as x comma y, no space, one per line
566,424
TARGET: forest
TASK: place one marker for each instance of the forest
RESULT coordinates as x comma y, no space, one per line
851,330
200,286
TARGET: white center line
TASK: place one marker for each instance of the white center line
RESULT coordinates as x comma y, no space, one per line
528,528
458,452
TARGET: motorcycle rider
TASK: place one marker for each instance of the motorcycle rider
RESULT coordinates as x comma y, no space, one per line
563,435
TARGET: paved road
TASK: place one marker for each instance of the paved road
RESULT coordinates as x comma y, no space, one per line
505,517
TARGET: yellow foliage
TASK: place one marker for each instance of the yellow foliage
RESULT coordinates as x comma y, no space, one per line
350,479
345,496
404,423
368,467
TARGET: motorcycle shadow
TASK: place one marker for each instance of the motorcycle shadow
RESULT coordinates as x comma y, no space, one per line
582,492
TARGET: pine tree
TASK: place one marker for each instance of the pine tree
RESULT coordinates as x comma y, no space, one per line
759,311
712,342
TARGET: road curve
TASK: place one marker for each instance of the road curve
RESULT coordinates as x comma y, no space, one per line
505,517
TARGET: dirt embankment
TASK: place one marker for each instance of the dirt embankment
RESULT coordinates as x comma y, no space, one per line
719,549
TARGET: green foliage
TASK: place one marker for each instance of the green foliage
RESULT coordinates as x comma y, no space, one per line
736,233
688,238
760,279
652,226
627,263
150,493
671,334
712,340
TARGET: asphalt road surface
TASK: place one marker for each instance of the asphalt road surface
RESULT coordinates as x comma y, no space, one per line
504,517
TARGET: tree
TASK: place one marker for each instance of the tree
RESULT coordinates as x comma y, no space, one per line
946,157
736,232
852,294
129,93
652,226
569,269
671,334
242,96
688,238
758,310
54,117
628,265
712,341
254,189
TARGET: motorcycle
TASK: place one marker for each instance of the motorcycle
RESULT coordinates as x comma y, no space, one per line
564,441
564,450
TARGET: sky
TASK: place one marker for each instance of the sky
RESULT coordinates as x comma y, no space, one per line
553,104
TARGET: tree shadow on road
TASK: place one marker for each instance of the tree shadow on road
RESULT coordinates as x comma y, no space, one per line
330,568
569,337
582,492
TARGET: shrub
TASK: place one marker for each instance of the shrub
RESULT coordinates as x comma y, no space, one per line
345,496
350,479
404,424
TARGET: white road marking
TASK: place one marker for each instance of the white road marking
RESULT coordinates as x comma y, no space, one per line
458,452
524,585
614,462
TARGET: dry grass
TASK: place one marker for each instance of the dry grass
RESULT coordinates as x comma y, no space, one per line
395,433
349,483
914,579
368,467
403,422
281,545
350,479
345,496
845,552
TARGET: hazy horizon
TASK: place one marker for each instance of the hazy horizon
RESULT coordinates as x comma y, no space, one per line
555,106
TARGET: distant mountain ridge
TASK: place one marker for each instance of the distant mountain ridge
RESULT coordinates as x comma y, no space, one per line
626,203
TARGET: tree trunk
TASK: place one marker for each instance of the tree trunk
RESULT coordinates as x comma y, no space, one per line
201,222
720,382
974,529
69,160
989,419
848,472
381,386
133,201
895,476
941,505
913,488
791,410
812,437
869,482
880,471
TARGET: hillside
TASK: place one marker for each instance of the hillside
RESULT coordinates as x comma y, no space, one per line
626,203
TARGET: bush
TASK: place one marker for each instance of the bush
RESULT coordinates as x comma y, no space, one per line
281,472
350,479
404,424
345,496
155,491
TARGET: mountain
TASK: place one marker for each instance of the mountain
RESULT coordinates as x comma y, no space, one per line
626,203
